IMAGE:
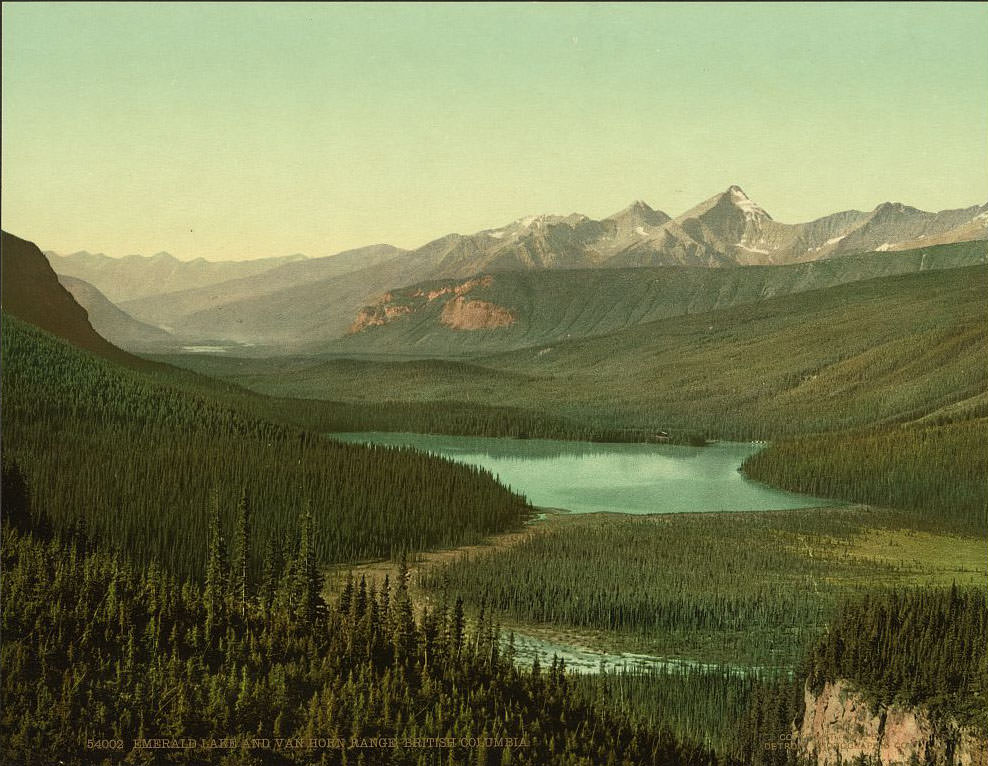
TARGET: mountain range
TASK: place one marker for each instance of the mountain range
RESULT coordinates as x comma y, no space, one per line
510,310
321,303
729,229
137,276
765,358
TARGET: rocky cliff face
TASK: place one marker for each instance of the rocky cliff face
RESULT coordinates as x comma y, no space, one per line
377,315
463,314
839,725
457,312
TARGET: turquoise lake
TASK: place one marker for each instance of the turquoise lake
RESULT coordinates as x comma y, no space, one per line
619,478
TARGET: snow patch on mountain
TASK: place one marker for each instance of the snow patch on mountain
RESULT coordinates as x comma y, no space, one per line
744,203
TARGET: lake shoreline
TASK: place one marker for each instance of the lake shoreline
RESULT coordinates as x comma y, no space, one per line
589,477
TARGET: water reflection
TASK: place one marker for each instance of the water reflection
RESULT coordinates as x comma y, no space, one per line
587,477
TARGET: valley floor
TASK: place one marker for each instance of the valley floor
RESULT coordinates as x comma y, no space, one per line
806,561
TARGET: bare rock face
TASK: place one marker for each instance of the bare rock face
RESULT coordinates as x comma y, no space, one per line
465,314
458,312
378,314
461,289
839,725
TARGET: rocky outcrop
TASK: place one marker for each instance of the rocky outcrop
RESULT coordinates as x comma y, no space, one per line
461,289
457,312
378,314
840,725
465,314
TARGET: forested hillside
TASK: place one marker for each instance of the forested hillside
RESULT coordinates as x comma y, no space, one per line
921,650
874,352
924,647
102,660
938,472
140,461
513,309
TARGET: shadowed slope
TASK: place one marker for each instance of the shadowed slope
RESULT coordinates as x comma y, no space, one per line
31,292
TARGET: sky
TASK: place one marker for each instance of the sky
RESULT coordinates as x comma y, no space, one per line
234,131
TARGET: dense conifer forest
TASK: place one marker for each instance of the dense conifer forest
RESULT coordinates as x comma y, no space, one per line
699,703
881,467
104,662
164,537
162,582
920,647
756,588
923,648
448,416
141,462
460,419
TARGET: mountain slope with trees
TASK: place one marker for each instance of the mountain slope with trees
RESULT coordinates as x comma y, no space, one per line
554,305
880,351
161,451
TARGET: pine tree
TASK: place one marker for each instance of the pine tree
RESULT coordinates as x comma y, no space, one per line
242,563
308,578
455,638
15,497
403,618
216,568
272,569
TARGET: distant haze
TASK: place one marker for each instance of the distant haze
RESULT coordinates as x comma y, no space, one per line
236,131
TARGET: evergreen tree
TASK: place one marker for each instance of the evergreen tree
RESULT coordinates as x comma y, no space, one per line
404,621
241,567
308,578
216,568
15,497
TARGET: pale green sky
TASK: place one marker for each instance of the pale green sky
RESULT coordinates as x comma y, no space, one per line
240,131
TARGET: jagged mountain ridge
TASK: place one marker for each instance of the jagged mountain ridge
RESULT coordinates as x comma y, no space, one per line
302,302
728,229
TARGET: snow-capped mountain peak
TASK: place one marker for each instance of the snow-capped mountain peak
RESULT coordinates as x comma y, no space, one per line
743,202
